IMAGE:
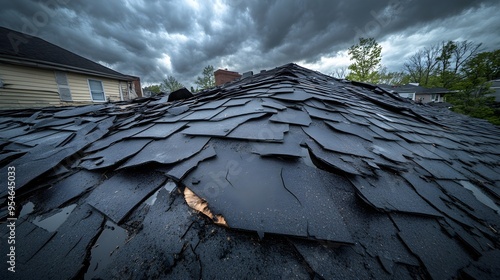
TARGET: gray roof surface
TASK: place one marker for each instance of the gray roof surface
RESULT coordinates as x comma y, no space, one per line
313,177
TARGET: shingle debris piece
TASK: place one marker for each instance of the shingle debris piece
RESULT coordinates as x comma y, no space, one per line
260,129
114,154
166,151
292,116
118,195
218,128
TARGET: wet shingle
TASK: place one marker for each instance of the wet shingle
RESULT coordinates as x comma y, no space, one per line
260,130
218,128
118,195
292,116
160,130
67,189
114,154
290,95
332,160
443,257
340,143
166,151
64,252
388,192
78,111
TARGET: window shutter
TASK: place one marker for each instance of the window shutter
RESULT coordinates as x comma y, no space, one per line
63,86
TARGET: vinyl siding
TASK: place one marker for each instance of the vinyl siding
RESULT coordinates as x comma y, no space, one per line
27,87
32,87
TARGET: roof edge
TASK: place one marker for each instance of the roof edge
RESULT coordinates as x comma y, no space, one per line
55,66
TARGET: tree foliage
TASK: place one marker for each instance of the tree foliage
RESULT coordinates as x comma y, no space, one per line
453,56
207,80
366,57
483,67
392,78
472,96
440,65
170,84
474,102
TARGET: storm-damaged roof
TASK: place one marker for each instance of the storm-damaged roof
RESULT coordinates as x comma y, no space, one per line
292,173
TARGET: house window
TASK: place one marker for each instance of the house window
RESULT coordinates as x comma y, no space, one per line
96,90
63,86
435,98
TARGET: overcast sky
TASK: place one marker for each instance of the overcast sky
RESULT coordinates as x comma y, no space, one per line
153,39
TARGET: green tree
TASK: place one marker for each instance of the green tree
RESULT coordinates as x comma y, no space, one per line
454,55
170,84
483,67
472,96
392,78
444,71
156,89
474,102
207,80
366,57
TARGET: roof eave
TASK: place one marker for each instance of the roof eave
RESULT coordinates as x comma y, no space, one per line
61,67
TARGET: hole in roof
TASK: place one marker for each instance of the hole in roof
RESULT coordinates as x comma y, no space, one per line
199,204
481,196
27,209
53,222
110,240
169,186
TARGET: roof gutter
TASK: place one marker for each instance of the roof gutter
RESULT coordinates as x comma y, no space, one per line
62,67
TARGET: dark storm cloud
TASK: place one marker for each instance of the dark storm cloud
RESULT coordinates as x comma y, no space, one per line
152,39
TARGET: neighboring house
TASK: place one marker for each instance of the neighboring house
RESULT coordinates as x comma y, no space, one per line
148,93
418,93
36,73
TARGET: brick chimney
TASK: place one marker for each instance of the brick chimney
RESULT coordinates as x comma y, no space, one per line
224,76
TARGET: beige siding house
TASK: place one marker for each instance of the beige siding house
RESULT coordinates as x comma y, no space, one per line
36,73
418,93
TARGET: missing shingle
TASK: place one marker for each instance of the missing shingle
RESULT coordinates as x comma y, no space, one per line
199,204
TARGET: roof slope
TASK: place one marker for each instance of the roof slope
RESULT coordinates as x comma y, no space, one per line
313,177
16,46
